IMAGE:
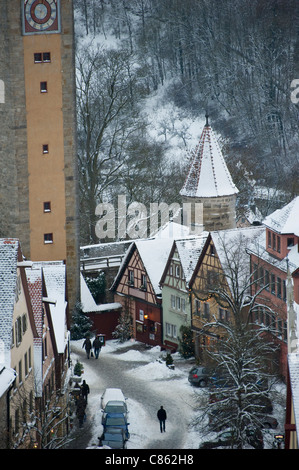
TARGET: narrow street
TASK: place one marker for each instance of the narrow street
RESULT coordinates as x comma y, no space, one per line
112,372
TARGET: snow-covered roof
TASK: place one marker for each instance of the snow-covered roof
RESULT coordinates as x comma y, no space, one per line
154,255
7,376
55,278
8,278
88,303
208,174
285,220
189,251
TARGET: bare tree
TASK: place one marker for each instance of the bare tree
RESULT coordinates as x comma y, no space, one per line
244,354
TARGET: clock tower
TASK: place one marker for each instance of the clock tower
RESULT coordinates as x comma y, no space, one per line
38,76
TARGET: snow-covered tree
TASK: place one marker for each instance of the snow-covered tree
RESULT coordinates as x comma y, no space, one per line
244,355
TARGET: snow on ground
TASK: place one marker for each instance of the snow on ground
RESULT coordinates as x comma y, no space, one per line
154,371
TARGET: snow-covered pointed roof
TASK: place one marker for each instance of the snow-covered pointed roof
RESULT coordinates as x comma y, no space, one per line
189,251
286,219
208,174
154,255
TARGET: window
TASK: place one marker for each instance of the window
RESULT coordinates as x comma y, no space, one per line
197,307
183,305
20,372
141,315
24,323
290,242
48,238
40,57
131,277
45,148
143,282
206,310
267,280
43,87
278,282
26,364
223,314
171,270
269,239
18,330
171,330
177,271
278,244
274,241
178,303
47,206
273,291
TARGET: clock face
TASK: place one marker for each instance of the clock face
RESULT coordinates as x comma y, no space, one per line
40,16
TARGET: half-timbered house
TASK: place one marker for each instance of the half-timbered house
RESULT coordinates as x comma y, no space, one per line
223,266
137,288
175,284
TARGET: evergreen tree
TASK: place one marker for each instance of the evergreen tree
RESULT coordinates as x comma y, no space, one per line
186,346
124,329
81,324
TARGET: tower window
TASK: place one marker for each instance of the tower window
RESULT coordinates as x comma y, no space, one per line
43,87
40,57
47,206
45,148
48,238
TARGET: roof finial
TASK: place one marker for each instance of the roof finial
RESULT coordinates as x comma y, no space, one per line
207,119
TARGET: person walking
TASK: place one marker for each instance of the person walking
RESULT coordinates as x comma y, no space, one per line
81,405
85,390
87,346
97,345
162,418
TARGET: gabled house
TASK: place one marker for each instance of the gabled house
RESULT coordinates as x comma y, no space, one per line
136,287
223,265
175,284
276,252
17,335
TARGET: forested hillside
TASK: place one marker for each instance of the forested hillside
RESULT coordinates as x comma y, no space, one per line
235,59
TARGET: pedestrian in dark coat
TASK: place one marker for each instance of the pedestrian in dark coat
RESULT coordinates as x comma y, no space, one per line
97,345
81,405
87,346
85,390
162,418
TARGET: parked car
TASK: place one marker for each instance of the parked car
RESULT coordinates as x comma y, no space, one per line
200,376
269,422
114,438
227,439
112,394
115,406
116,420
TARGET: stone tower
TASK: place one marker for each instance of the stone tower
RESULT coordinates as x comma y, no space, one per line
38,183
209,182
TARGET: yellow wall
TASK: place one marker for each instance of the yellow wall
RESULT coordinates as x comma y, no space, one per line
45,126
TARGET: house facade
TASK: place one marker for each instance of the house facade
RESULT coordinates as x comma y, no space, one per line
17,334
276,252
174,284
223,265
136,287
